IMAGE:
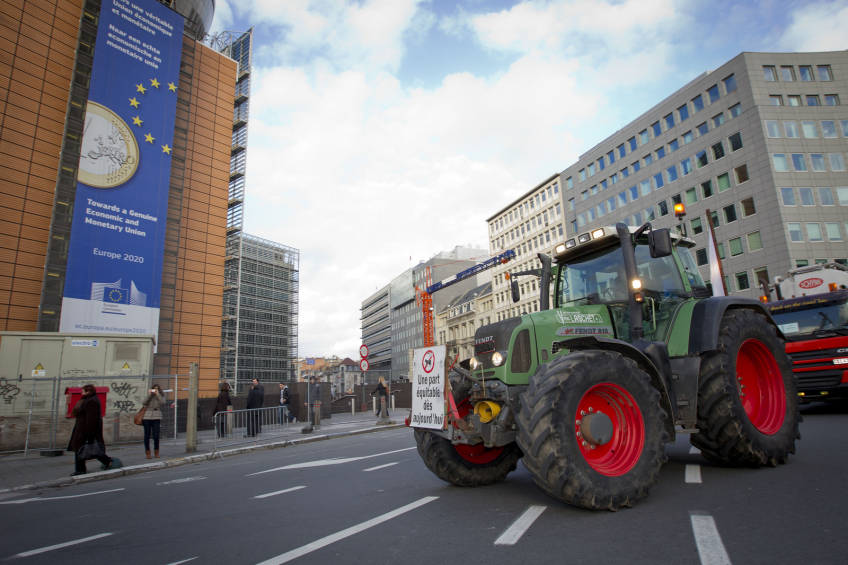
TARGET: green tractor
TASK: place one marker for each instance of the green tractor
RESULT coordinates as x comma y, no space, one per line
634,352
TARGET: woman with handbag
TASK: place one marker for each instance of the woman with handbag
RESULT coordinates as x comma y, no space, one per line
152,419
87,438
224,402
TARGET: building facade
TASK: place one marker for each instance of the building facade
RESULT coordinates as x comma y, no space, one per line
375,327
47,51
456,323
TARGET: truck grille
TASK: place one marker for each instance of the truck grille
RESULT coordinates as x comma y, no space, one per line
493,337
814,366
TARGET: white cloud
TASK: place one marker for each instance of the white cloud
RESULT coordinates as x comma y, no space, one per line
817,27
223,17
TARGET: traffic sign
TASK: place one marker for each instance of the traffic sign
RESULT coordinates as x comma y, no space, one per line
363,351
363,365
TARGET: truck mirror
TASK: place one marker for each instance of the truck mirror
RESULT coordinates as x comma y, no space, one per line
659,241
516,296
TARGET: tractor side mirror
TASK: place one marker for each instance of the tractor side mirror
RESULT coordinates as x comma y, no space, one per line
659,242
516,296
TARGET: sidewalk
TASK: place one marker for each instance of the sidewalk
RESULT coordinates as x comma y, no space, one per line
15,471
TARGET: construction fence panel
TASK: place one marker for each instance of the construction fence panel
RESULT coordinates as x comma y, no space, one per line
236,427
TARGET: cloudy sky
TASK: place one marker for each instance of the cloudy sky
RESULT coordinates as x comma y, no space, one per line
387,129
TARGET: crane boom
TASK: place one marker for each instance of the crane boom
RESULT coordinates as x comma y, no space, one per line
424,298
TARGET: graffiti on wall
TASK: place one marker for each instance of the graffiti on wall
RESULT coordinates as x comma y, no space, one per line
8,391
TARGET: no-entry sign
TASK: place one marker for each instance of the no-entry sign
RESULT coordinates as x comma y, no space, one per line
363,351
363,365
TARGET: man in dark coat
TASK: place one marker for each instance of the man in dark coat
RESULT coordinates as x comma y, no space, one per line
314,396
254,400
261,388
88,428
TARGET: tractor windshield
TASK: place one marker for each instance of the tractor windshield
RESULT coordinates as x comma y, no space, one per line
599,277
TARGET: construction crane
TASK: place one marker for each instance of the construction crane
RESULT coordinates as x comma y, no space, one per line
424,297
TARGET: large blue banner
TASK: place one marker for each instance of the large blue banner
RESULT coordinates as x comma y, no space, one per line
114,273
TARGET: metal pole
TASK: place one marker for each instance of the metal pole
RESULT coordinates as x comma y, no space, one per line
238,305
29,422
191,414
176,394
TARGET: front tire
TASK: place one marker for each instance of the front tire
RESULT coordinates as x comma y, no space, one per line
747,400
563,463
465,465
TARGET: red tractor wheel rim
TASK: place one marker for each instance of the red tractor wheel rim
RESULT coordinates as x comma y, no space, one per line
479,453
622,451
760,386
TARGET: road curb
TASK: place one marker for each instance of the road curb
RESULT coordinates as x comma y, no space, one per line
171,463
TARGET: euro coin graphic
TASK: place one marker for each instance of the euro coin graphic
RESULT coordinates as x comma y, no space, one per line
109,154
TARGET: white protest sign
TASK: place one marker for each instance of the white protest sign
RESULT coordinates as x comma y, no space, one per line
428,388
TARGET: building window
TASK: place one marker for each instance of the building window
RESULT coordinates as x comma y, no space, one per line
741,174
662,206
625,172
602,210
799,162
794,100
622,198
686,166
769,74
650,215
814,232
729,84
673,145
582,174
660,153
844,125
593,191
831,100
776,100
636,166
573,227
791,128
772,128
676,199
591,169
697,227
634,193
833,231
813,100
621,151
748,208
569,184
742,281
735,142
723,182
824,73
703,129
729,214
780,163
760,275
656,129
571,205
707,189
611,204
842,195
611,157
701,257
828,128
718,120
787,74
701,159
806,196
801,263
687,137
658,181
735,110
806,74
720,248
826,196
718,151
837,161
643,137
669,121
601,165
648,159
810,130
614,178
683,112
755,242
691,196
632,142
817,162
713,94
671,173
735,246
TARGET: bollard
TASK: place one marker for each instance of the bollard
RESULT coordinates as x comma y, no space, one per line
191,417
393,402
352,411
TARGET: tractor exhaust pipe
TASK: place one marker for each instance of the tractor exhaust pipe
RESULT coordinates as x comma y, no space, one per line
545,282
637,331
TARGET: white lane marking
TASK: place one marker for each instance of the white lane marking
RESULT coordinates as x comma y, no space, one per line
60,545
323,462
521,524
24,501
295,553
183,561
380,467
710,547
183,480
694,450
278,492
693,473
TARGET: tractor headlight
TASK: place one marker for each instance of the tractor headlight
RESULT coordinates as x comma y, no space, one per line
473,363
570,243
597,233
498,358
583,238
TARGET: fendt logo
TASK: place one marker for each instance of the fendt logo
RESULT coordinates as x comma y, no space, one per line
810,283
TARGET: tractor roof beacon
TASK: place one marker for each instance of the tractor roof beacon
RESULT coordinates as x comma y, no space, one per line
634,352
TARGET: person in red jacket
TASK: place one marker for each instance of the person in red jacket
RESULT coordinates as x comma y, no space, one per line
88,429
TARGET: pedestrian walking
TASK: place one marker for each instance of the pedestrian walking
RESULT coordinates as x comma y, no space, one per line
88,430
285,401
382,393
314,396
152,419
223,405
254,400
261,388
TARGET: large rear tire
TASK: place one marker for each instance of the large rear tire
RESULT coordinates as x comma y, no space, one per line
556,451
465,465
747,399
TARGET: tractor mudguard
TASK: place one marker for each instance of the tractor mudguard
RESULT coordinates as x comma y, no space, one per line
706,316
651,356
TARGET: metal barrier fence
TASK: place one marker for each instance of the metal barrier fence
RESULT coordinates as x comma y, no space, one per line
235,427
36,412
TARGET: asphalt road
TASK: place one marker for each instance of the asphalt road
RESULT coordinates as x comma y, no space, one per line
369,499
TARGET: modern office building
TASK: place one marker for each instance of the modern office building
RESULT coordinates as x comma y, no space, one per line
259,332
456,323
759,143
376,328
51,84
